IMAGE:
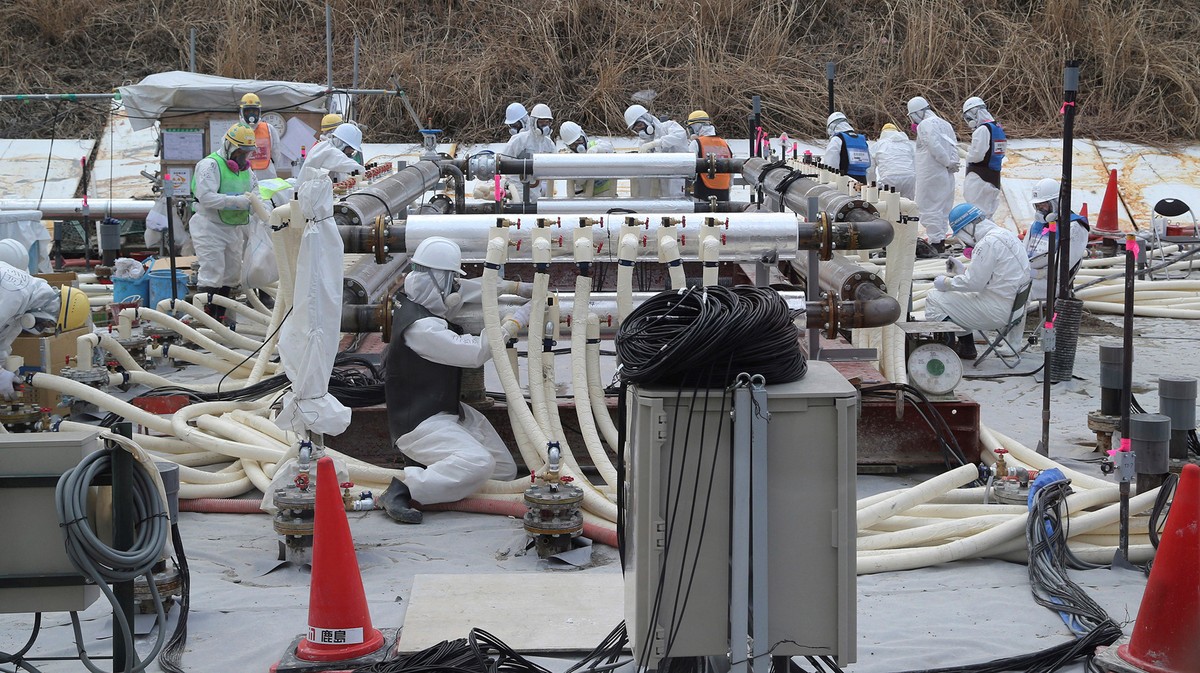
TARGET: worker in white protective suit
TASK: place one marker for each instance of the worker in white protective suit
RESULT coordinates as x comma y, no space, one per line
458,447
535,139
657,135
893,162
1037,239
978,295
936,164
577,142
222,184
847,151
985,157
308,339
30,304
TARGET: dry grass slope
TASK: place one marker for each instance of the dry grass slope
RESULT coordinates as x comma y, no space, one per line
462,61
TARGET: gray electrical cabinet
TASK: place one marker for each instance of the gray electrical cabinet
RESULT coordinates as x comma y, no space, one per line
677,561
35,573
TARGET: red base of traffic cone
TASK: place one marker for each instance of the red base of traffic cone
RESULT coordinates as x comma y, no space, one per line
290,663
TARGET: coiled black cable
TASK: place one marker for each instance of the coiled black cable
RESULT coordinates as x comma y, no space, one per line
675,338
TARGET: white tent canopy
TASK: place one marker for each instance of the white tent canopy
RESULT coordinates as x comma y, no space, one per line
187,91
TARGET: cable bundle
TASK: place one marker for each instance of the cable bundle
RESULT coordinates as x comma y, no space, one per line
703,336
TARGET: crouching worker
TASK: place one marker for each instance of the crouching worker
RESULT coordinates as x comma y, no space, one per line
459,448
979,295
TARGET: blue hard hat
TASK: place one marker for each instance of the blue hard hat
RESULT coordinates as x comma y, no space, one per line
962,215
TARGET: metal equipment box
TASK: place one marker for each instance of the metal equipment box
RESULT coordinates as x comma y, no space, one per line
35,573
677,558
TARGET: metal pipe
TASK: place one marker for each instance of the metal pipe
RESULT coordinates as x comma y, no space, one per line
357,45
328,45
830,72
367,239
366,281
58,209
580,166
460,189
192,50
614,206
798,190
25,97
839,275
747,237
390,195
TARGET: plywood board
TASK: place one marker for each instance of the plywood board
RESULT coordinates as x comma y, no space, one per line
532,612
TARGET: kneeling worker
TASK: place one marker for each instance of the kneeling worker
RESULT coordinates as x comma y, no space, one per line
29,304
428,424
980,294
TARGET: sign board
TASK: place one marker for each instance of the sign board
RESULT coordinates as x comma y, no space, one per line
183,144
216,131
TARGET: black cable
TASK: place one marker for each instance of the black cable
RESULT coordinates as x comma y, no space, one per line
1158,513
673,336
256,350
17,658
49,156
172,652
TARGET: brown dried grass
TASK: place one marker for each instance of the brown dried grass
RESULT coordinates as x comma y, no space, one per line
462,61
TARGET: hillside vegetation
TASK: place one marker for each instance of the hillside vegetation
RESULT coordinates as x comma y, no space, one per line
462,61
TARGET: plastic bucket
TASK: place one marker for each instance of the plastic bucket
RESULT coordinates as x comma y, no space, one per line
160,285
126,290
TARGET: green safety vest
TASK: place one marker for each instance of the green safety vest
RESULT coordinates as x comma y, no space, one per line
231,183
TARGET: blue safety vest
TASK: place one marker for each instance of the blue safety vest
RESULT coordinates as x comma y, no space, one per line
856,156
989,167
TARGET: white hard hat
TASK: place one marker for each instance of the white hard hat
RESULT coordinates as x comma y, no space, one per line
916,104
14,254
836,116
1046,189
569,132
972,103
350,135
632,114
514,113
541,111
437,252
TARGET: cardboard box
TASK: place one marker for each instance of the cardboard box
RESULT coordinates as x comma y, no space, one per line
60,279
48,354
183,263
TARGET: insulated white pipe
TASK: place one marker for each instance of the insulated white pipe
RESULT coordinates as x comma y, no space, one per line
626,254
130,314
222,333
202,298
669,250
595,390
579,381
869,516
710,251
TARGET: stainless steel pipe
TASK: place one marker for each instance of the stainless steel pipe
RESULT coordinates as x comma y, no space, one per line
389,196
617,165
65,209
367,282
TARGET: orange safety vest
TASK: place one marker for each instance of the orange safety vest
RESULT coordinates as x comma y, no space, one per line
261,158
717,147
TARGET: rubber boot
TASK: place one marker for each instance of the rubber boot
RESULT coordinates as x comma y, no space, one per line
397,502
925,250
227,319
966,347
217,312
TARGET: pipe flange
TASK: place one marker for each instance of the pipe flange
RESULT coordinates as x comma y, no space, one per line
292,525
92,376
832,315
384,316
379,243
825,237
293,498
168,582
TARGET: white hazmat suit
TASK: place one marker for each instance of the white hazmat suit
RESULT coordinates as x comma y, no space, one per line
1037,244
308,339
981,296
662,136
218,245
976,190
24,300
893,163
525,144
936,163
460,451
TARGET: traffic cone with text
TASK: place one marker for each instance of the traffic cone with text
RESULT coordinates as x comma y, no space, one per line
339,623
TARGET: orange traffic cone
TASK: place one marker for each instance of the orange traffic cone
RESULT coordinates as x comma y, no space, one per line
1083,211
339,623
1164,638
1107,221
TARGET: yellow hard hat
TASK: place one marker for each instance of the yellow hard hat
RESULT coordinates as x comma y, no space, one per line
330,122
251,99
888,127
73,310
699,117
240,135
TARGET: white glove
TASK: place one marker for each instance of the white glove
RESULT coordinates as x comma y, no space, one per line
517,321
6,384
237,202
524,290
485,191
941,284
650,146
954,266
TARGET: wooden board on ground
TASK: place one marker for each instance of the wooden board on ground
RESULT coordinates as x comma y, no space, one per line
531,612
